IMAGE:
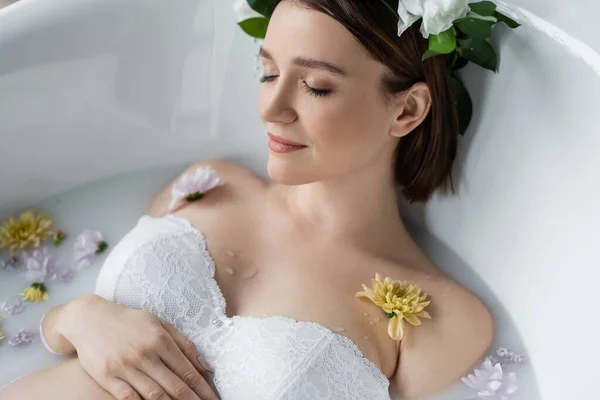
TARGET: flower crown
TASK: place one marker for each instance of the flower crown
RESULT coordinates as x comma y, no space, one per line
456,29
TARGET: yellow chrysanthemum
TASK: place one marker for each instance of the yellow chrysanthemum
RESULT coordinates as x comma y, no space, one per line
400,301
26,232
36,292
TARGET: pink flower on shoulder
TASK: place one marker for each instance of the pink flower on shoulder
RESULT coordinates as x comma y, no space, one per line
193,186
87,245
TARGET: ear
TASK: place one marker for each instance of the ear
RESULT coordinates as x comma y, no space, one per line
413,106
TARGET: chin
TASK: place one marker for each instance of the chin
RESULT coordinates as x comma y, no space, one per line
289,172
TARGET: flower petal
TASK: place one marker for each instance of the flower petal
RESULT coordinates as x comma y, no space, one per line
396,328
412,319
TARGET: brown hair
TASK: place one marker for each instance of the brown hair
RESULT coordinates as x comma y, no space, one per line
424,158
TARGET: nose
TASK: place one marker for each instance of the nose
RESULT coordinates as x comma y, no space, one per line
276,103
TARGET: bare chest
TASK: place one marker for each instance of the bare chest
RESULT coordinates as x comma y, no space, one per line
263,272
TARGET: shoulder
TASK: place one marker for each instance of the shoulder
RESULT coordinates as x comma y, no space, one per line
239,181
438,353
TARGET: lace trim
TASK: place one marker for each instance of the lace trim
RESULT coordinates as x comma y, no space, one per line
217,293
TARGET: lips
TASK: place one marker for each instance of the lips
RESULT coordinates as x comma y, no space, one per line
281,140
281,145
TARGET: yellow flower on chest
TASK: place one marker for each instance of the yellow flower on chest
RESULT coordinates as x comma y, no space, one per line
399,301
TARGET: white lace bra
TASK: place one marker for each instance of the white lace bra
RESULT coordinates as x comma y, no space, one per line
162,266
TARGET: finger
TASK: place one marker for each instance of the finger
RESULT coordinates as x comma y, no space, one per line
147,388
121,390
176,361
187,347
172,384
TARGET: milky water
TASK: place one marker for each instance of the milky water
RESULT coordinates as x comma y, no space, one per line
113,206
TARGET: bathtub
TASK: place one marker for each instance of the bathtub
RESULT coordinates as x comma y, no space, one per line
90,89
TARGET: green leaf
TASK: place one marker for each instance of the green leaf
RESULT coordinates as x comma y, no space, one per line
255,27
503,18
444,43
263,7
485,8
464,105
429,54
475,27
479,51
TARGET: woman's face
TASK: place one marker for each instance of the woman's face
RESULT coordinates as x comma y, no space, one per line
322,91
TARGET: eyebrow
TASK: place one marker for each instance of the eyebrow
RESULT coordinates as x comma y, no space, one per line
308,63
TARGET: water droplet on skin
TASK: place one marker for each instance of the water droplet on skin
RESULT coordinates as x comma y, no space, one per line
371,323
338,329
366,314
230,253
377,320
230,271
366,337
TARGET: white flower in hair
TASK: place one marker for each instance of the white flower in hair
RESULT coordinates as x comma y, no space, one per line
243,11
491,382
192,186
438,15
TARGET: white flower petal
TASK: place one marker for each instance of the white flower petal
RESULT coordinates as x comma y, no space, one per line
243,11
438,15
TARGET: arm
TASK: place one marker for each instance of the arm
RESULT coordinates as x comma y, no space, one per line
441,351
126,352
68,381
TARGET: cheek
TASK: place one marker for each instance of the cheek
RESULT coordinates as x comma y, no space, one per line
347,124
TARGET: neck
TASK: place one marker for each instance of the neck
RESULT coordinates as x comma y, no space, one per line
361,206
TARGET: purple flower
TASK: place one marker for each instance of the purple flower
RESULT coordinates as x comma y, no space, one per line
87,244
23,338
491,382
192,186
502,352
512,357
66,275
40,265
14,306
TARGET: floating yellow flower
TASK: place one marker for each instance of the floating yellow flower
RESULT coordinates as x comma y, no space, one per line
26,232
36,292
400,301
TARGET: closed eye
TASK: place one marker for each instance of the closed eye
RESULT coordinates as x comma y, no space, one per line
309,89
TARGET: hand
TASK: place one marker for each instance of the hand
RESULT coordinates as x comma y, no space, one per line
133,354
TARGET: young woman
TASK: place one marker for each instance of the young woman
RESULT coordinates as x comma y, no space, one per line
259,278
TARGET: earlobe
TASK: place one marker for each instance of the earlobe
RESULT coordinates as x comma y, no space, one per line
414,106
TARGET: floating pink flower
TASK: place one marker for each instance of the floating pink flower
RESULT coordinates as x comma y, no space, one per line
193,186
491,382
58,237
23,338
87,245
40,265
